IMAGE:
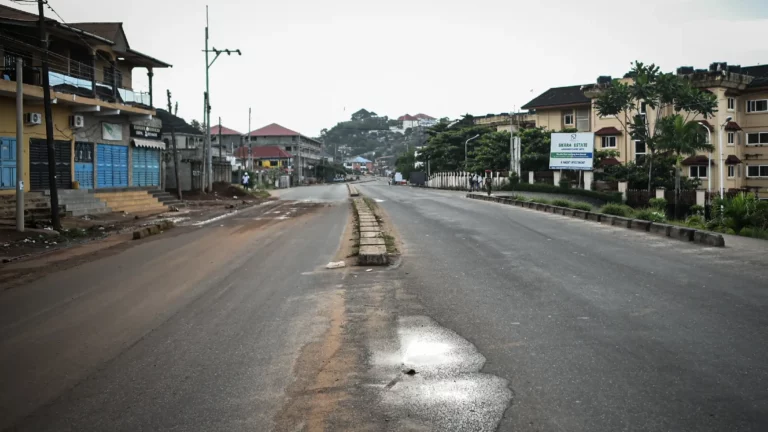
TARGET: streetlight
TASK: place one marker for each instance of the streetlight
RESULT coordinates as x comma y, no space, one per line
709,156
465,149
722,158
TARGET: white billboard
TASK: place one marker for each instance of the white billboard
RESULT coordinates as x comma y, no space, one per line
572,151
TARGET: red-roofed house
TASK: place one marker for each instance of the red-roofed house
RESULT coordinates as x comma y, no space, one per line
418,120
289,141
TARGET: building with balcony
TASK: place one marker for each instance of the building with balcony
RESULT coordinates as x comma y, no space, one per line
289,141
742,94
106,133
230,140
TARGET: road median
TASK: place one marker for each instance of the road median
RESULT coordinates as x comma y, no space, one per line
705,238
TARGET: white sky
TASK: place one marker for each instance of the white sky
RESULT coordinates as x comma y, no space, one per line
310,64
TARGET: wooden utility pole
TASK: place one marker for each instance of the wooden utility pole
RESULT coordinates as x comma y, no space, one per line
175,151
55,219
221,144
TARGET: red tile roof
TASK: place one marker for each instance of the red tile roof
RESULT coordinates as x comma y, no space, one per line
609,161
274,129
732,160
697,160
732,126
407,117
608,131
421,116
262,152
224,131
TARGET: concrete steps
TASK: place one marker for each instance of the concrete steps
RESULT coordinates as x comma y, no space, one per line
167,199
132,201
36,205
80,202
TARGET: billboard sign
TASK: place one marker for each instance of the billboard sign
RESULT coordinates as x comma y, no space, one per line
572,151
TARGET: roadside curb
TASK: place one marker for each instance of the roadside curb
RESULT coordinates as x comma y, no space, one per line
672,231
152,230
372,248
353,191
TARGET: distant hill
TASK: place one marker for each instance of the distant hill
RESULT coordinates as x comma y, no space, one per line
366,133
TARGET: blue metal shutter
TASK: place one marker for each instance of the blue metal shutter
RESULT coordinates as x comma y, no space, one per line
7,163
120,164
104,164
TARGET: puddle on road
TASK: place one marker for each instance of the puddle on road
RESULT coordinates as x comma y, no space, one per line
447,392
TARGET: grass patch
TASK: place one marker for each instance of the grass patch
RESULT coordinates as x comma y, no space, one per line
617,210
389,241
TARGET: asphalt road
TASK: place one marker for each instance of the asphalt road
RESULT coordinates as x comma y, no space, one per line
595,328
199,328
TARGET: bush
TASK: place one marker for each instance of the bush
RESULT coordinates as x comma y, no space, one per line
658,204
539,200
650,215
546,188
565,183
696,221
514,179
617,210
754,233
696,210
581,206
562,203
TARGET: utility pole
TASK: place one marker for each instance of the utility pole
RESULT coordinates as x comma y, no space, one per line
208,92
203,180
19,146
250,146
220,142
55,219
175,152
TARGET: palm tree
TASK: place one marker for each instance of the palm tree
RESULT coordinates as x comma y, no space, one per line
683,138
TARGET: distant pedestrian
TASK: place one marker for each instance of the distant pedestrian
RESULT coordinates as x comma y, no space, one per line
246,181
488,182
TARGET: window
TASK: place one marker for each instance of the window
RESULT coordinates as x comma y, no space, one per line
757,171
582,119
568,118
698,171
643,108
731,138
639,151
731,171
757,105
608,142
757,138
731,104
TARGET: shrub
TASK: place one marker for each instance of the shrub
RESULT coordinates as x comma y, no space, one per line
658,204
617,210
695,221
565,183
514,179
581,206
696,210
561,202
539,200
754,233
546,188
650,215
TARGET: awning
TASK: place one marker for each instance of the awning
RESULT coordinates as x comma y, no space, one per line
732,160
706,124
732,126
697,160
608,131
609,161
140,142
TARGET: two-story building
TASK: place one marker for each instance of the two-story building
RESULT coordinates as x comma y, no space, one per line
106,134
230,140
306,151
742,96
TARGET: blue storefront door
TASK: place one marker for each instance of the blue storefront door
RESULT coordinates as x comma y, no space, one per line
7,163
112,165
146,166
84,164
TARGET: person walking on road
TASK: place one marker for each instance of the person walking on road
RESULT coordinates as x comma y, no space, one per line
488,182
246,180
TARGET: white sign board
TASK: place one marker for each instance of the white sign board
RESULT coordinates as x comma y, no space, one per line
572,151
398,177
112,131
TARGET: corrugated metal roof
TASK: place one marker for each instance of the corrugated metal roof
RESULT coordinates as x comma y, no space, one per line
559,96
274,129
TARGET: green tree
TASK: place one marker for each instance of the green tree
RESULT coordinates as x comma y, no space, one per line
445,146
491,152
405,164
682,138
641,105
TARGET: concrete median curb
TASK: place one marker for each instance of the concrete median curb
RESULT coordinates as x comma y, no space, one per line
152,230
352,190
372,247
672,231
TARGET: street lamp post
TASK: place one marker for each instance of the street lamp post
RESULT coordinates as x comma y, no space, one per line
722,158
466,143
709,156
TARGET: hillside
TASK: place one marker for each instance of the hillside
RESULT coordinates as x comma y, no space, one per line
370,135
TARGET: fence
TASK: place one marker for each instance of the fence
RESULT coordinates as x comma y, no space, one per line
460,180
191,175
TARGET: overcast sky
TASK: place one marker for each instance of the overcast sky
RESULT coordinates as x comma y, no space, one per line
309,64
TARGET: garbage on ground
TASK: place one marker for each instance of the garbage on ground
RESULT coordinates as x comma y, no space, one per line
333,265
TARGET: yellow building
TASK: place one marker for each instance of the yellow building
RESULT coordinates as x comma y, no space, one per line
742,96
105,132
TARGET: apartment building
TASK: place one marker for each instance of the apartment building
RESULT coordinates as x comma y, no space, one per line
106,134
742,95
289,141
